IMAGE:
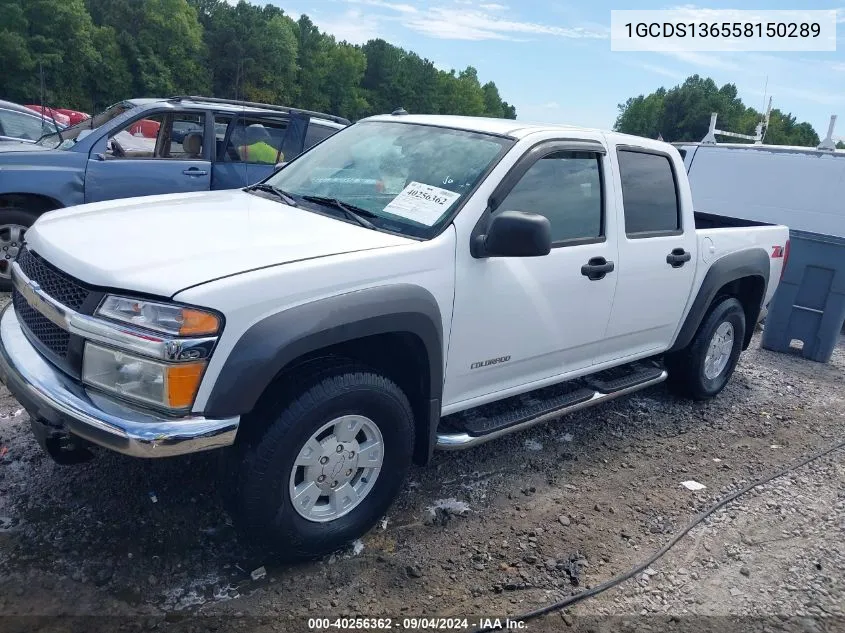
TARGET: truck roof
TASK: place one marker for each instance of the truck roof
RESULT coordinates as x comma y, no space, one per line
510,127
486,125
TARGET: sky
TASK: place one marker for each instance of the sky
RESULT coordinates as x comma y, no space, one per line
552,58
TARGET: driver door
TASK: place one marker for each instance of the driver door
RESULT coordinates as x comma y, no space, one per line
155,154
524,322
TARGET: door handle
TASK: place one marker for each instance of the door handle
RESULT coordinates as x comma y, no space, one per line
597,268
678,257
193,171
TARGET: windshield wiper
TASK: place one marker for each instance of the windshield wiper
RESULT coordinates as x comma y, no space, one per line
350,210
284,196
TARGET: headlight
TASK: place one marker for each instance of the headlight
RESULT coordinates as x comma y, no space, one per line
162,317
172,386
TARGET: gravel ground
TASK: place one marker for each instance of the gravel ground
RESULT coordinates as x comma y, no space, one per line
498,530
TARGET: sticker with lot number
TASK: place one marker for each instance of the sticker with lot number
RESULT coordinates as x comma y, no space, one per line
422,203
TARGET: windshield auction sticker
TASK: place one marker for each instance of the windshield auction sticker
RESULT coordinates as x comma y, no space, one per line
422,203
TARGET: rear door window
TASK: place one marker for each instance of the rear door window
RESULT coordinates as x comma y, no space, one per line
257,140
649,194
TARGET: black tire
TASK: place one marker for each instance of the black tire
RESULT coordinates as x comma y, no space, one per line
261,506
11,215
687,367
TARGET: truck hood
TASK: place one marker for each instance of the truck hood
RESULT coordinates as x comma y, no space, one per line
163,244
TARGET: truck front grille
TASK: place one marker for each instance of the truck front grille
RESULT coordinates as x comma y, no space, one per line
48,333
60,286
58,346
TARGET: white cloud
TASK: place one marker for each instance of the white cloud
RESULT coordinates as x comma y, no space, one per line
703,60
352,26
660,70
399,7
551,105
492,6
812,95
480,24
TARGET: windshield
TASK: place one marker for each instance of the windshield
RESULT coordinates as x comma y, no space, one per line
65,139
407,178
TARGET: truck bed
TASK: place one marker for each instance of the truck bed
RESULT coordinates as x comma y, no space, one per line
711,221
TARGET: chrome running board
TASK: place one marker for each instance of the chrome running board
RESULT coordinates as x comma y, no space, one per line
462,440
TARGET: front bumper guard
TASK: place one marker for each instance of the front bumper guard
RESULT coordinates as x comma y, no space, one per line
51,396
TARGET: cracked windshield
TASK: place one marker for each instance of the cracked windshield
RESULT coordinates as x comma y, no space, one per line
409,177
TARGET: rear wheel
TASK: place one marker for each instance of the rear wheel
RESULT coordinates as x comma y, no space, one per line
703,368
328,466
14,222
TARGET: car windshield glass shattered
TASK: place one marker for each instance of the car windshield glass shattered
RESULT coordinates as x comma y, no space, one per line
65,139
405,178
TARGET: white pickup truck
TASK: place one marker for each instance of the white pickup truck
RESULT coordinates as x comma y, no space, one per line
410,283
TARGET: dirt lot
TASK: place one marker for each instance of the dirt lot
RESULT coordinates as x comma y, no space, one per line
497,530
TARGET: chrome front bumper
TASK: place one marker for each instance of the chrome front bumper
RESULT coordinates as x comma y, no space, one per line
50,395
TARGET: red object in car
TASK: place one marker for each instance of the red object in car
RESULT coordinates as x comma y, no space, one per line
75,116
145,127
57,116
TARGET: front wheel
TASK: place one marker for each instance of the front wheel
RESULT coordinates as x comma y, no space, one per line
328,466
14,223
702,369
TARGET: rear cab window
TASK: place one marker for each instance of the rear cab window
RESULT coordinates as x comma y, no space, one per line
649,194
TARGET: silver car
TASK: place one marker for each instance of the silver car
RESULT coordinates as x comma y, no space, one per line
19,123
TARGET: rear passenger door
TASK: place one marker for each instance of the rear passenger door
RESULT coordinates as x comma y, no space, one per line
651,293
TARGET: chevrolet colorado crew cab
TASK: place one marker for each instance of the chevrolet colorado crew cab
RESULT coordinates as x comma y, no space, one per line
409,283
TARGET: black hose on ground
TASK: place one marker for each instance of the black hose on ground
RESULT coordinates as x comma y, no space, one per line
617,580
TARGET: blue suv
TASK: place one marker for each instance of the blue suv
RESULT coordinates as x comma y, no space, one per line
141,147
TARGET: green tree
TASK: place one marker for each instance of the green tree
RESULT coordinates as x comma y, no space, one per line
252,52
642,115
96,52
162,42
53,36
840,145
341,82
682,113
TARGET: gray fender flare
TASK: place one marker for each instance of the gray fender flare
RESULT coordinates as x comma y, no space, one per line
749,263
272,343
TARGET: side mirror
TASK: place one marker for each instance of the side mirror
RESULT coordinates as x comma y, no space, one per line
515,234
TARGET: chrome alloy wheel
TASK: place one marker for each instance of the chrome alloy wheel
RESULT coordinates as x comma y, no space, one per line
11,240
336,468
719,351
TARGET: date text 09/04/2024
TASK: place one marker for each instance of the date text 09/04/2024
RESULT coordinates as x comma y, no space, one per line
414,624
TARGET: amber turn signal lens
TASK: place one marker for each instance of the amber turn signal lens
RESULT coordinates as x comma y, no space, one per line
195,322
183,380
